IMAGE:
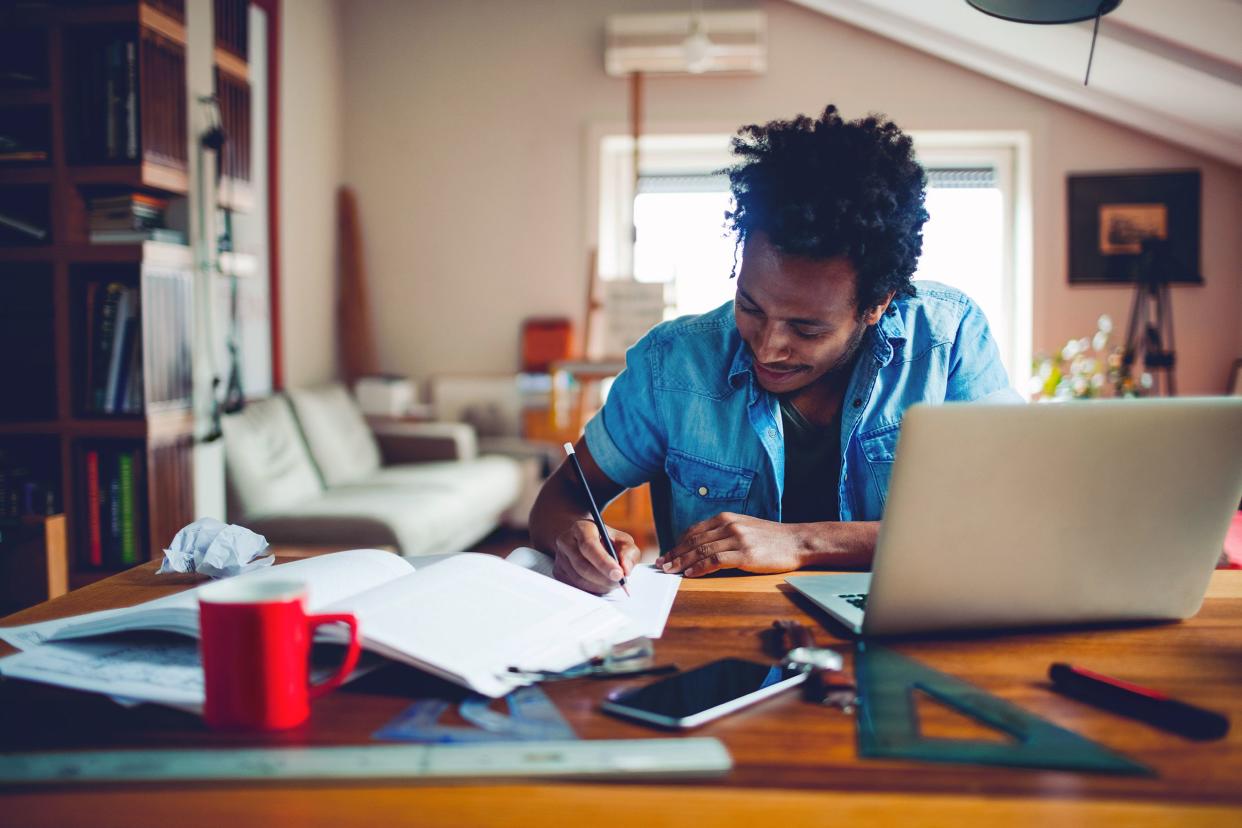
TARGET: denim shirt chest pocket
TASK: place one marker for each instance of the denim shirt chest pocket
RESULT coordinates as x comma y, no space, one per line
701,488
879,447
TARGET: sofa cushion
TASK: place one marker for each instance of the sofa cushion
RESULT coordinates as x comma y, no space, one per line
423,508
266,459
337,434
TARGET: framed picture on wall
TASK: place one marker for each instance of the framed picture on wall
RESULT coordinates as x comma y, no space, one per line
1110,215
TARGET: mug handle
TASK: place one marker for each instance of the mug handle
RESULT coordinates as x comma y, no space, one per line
351,655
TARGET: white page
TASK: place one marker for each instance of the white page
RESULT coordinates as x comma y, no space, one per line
651,597
471,617
329,578
138,668
167,671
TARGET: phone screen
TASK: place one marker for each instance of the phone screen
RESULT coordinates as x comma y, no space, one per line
703,688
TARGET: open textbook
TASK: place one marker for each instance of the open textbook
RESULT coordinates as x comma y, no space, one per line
467,619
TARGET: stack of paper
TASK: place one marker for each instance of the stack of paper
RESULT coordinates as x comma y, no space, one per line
467,619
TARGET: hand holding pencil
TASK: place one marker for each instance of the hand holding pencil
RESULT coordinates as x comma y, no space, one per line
590,555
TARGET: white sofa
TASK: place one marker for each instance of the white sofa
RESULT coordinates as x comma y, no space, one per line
304,468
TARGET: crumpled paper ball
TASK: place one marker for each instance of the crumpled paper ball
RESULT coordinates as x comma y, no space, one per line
216,549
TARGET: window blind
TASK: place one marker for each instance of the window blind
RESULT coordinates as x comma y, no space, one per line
683,183
962,178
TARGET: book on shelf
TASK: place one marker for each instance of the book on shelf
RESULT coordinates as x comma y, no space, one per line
102,302
156,234
114,350
19,143
23,155
94,534
112,515
16,79
131,99
106,84
128,542
128,213
24,491
25,228
126,201
113,505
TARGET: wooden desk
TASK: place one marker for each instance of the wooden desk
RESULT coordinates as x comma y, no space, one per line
795,763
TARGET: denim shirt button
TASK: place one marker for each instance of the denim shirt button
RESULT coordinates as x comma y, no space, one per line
858,403
772,433
703,491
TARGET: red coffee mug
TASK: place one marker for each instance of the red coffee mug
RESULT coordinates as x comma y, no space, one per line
256,640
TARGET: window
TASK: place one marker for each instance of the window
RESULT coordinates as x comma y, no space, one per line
969,242
974,240
680,239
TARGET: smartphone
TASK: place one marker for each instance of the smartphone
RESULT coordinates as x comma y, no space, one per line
697,696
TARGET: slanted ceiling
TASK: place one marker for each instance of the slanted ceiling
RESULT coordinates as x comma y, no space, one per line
1171,68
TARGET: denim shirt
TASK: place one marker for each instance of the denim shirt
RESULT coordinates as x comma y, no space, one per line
688,415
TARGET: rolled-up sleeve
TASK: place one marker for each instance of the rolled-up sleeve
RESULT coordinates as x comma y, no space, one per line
626,437
976,373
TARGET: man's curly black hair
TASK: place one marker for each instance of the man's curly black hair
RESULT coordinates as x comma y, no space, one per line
829,187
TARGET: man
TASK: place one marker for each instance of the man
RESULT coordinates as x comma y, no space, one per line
767,426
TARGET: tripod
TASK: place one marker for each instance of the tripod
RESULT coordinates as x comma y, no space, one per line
1151,334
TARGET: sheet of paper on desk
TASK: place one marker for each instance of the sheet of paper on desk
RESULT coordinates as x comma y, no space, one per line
137,668
651,597
164,669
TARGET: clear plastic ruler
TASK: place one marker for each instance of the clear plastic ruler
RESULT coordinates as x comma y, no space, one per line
603,758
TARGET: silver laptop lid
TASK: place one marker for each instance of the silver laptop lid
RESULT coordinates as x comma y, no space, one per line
1012,516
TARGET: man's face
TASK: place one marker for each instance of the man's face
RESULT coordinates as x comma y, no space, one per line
798,316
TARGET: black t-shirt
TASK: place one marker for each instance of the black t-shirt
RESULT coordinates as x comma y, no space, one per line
812,468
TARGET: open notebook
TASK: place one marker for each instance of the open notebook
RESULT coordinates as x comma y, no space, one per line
466,619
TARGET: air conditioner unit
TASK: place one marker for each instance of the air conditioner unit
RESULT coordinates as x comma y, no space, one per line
734,42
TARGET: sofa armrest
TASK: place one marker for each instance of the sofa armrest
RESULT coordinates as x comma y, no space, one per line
424,442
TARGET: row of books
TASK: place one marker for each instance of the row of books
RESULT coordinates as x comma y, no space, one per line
129,218
19,148
113,349
107,96
23,492
113,505
17,228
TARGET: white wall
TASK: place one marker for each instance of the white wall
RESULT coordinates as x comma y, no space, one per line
311,152
466,145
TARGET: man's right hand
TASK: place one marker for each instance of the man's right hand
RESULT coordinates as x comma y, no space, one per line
582,560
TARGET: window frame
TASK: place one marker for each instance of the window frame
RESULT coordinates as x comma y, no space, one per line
678,147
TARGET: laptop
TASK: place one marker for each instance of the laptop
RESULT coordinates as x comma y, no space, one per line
1004,516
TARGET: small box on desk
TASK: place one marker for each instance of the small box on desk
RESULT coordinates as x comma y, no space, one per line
34,563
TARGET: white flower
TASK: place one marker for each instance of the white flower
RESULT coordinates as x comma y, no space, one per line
1105,324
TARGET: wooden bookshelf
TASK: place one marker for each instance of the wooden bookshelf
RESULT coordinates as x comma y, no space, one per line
54,343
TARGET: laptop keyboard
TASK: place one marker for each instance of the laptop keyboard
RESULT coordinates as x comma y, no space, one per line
859,600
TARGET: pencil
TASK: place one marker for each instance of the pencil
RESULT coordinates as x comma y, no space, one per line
595,515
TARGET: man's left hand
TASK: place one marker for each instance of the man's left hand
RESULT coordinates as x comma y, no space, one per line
732,541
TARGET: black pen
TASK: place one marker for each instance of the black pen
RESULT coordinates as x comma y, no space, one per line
1138,702
599,519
